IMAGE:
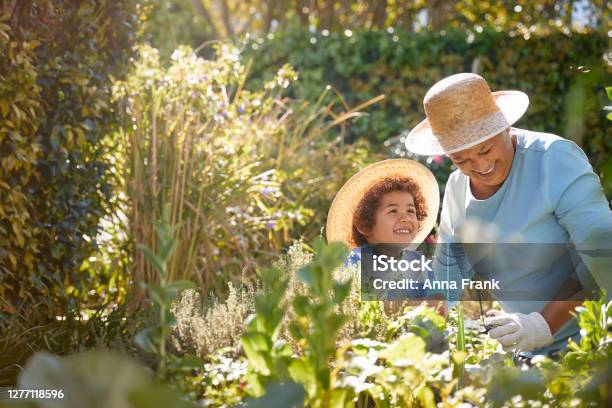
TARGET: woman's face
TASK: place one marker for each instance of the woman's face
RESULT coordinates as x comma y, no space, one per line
488,163
395,220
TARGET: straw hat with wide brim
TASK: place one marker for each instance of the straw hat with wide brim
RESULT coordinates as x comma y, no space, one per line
463,112
340,216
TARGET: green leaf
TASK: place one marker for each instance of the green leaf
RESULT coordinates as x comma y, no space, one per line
159,295
256,385
295,331
334,255
157,263
410,347
158,396
305,274
148,339
511,381
89,379
166,250
301,304
333,323
257,349
55,142
427,398
174,287
338,398
288,395
4,107
341,291
303,373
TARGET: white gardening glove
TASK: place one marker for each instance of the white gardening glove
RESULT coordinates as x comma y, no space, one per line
518,331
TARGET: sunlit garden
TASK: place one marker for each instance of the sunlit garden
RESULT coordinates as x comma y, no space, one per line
167,169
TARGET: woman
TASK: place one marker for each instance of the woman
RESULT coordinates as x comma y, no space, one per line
518,190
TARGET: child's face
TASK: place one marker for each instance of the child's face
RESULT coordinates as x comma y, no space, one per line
395,220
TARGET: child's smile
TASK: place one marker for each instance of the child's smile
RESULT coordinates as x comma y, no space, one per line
395,220
403,231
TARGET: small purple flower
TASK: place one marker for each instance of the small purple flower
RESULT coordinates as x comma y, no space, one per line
241,109
271,224
268,190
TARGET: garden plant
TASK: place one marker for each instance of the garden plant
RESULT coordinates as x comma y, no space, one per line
166,167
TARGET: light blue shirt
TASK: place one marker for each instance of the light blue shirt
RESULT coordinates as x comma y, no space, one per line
551,196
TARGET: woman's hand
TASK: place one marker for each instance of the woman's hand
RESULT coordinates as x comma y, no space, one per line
518,331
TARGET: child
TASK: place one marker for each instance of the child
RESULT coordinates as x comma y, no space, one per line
387,208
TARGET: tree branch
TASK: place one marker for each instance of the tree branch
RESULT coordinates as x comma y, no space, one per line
379,14
203,11
225,12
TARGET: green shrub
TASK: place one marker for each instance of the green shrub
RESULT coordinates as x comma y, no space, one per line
203,327
406,370
57,60
561,73
97,379
239,169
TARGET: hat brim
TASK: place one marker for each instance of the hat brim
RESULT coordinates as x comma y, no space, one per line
512,106
340,216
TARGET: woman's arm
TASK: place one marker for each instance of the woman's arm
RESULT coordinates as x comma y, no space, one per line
575,194
558,312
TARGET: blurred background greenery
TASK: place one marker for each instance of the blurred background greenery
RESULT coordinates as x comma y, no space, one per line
112,110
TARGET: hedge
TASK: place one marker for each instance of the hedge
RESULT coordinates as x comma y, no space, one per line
564,76
57,59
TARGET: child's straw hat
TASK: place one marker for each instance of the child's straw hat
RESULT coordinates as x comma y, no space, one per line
340,216
463,112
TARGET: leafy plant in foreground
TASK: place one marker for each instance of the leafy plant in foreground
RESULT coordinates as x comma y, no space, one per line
318,324
581,377
153,339
314,329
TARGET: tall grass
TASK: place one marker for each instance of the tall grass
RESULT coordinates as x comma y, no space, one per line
239,169
460,344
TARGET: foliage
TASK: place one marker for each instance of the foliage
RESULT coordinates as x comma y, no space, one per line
96,379
203,327
57,60
606,168
218,325
268,358
414,366
56,63
193,22
581,376
318,324
239,169
102,327
153,339
400,371
315,329
560,72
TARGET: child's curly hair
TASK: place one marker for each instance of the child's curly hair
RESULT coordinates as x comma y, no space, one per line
364,216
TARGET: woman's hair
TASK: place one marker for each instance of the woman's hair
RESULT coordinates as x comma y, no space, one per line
365,213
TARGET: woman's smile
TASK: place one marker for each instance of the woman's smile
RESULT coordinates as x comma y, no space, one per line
488,172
